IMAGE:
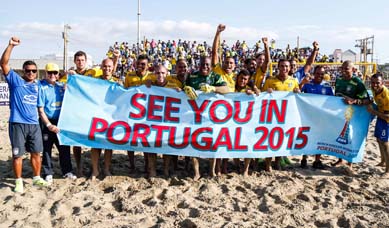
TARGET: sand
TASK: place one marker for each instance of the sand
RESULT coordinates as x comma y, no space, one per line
294,197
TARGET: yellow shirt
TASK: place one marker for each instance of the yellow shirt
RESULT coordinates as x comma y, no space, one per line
93,72
132,79
382,101
174,82
228,78
258,78
276,84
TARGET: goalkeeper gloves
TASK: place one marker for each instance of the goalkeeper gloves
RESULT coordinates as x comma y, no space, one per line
190,92
207,88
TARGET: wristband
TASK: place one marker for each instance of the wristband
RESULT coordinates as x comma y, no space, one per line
48,125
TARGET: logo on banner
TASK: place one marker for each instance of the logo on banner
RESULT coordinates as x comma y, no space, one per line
343,137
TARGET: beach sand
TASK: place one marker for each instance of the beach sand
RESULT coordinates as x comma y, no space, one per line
294,197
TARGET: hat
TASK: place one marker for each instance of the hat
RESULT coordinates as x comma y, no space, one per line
52,67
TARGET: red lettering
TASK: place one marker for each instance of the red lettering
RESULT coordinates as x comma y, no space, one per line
159,134
214,106
169,109
98,126
185,140
111,130
249,112
263,111
273,144
259,144
198,110
273,109
223,134
206,140
141,131
138,106
238,134
152,107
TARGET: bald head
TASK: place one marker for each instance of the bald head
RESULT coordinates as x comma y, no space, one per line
107,67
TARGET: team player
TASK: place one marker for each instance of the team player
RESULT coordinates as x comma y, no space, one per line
226,71
301,72
51,94
281,82
107,66
206,81
162,80
24,131
262,62
315,86
381,98
353,91
136,78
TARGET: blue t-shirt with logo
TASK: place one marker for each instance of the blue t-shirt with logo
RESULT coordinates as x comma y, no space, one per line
50,98
323,88
23,99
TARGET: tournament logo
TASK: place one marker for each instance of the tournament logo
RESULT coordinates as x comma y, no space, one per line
343,137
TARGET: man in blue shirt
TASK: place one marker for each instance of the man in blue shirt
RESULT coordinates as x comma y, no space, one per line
50,98
300,73
24,131
315,86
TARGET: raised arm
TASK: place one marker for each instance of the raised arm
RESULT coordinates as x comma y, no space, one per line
115,60
216,44
4,61
267,54
312,57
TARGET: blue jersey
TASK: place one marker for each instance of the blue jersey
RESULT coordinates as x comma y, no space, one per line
23,99
323,88
50,98
299,74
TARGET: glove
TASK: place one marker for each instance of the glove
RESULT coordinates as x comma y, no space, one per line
190,92
207,88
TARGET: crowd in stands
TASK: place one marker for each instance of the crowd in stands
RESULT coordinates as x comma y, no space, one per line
168,52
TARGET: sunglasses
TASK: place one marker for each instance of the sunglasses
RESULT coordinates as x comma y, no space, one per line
52,72
30,71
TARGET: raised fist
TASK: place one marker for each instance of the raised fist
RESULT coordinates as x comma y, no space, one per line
14,41
315,45
116,53
221,28
264,40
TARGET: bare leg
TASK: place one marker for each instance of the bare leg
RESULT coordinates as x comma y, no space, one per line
107,162
36,163
131,158
152,160
385,152
246,166
224,165
196,168
95,155
212,166
146,158
77,158
166,164
17,164
277,163
268,164
381,145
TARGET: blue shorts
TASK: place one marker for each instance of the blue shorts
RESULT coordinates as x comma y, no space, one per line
381,130
25,137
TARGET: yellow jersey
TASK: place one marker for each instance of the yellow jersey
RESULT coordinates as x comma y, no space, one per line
132,79
228,78
276,84
382,101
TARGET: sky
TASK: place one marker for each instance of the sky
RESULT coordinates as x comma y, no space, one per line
98,24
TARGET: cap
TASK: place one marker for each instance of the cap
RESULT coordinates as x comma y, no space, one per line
52,67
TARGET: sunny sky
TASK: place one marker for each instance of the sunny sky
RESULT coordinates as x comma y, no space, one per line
95,25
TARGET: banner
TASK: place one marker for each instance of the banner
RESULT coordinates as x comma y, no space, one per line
101,114
4,94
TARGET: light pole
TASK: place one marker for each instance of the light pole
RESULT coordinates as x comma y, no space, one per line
138,44
66,27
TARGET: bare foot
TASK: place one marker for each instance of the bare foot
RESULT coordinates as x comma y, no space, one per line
212,174
196,177
246,173
349,171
